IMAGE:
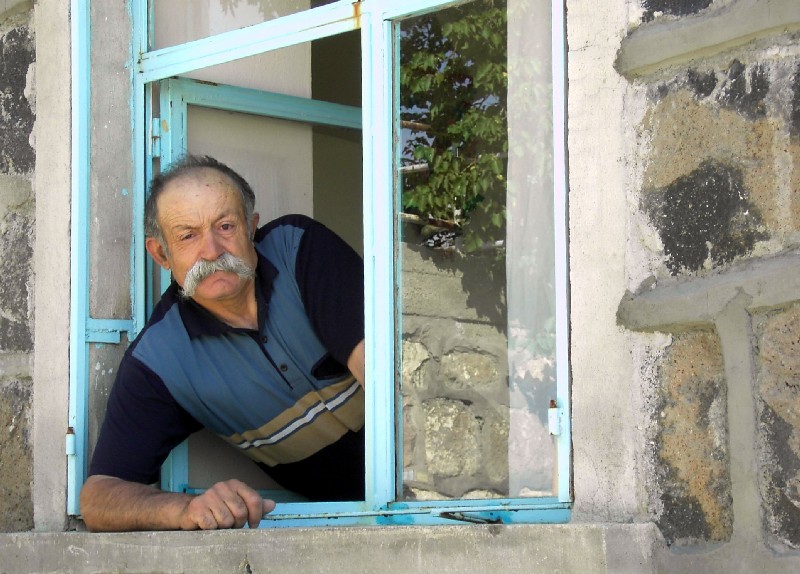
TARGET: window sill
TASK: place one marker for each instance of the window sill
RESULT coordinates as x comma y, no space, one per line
585,548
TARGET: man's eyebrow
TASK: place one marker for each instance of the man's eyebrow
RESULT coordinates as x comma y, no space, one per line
181,227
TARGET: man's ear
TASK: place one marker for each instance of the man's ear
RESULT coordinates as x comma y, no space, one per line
254,226
156,251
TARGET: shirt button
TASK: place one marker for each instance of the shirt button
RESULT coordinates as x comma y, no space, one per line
284,368
263,338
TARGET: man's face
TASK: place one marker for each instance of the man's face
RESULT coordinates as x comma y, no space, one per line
202,217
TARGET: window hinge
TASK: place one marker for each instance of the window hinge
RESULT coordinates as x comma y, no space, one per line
70,441
554,418
155,137
107,330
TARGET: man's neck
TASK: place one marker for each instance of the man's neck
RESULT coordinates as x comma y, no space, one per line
240,312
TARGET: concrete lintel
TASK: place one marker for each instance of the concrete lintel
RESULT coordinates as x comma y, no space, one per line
585,548
698,301
663,43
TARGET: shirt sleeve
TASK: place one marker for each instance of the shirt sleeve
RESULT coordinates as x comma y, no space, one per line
143,423
330,275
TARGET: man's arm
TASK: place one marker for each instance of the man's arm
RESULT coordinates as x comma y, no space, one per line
356,362
113,504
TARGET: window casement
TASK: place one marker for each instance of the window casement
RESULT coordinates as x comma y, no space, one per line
453,130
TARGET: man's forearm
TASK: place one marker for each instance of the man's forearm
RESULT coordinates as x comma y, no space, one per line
356,363
112,504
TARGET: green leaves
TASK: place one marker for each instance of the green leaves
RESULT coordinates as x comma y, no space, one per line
453,109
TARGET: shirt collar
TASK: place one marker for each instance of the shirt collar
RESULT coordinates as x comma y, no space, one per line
199,322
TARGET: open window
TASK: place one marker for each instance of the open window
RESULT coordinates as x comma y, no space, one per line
430,135
305,157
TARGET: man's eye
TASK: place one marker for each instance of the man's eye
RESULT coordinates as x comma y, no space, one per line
226,226
186,236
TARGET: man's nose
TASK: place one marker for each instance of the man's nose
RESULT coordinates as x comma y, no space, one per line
212,247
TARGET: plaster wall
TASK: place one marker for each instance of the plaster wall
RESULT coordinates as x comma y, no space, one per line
601,107
51,258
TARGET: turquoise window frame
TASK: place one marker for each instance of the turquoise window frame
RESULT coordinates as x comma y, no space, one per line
375,19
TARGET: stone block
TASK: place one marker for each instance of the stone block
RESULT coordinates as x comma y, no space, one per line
778,391
16,456
16,231
693,487
451,438
16,112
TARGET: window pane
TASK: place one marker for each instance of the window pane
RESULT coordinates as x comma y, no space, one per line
179,21
476,251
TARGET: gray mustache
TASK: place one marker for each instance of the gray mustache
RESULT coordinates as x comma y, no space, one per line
203,268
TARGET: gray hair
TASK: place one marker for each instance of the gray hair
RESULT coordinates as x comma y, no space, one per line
184,166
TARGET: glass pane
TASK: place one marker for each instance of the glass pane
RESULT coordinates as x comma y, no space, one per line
476,252
179,21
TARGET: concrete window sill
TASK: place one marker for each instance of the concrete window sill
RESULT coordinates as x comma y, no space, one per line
583,548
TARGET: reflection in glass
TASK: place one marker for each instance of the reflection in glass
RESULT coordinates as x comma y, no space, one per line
476,304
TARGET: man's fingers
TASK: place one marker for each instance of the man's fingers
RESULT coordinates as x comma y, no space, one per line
225,505
266,507
238,499
253,505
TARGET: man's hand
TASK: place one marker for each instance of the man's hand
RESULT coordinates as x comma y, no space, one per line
227,504
112,504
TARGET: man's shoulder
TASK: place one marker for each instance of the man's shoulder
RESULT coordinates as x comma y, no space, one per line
286,223
163,314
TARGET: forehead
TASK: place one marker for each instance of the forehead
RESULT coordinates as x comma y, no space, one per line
201,189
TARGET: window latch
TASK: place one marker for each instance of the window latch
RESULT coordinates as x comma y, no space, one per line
554,418
463,517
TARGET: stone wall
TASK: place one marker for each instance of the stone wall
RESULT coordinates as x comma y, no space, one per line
711,264
17,114
454,374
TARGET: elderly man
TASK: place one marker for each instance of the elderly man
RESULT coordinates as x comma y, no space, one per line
259,339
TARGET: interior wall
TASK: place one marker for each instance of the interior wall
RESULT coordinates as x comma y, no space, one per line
336,77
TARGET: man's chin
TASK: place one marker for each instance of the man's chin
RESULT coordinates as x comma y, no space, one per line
218,285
